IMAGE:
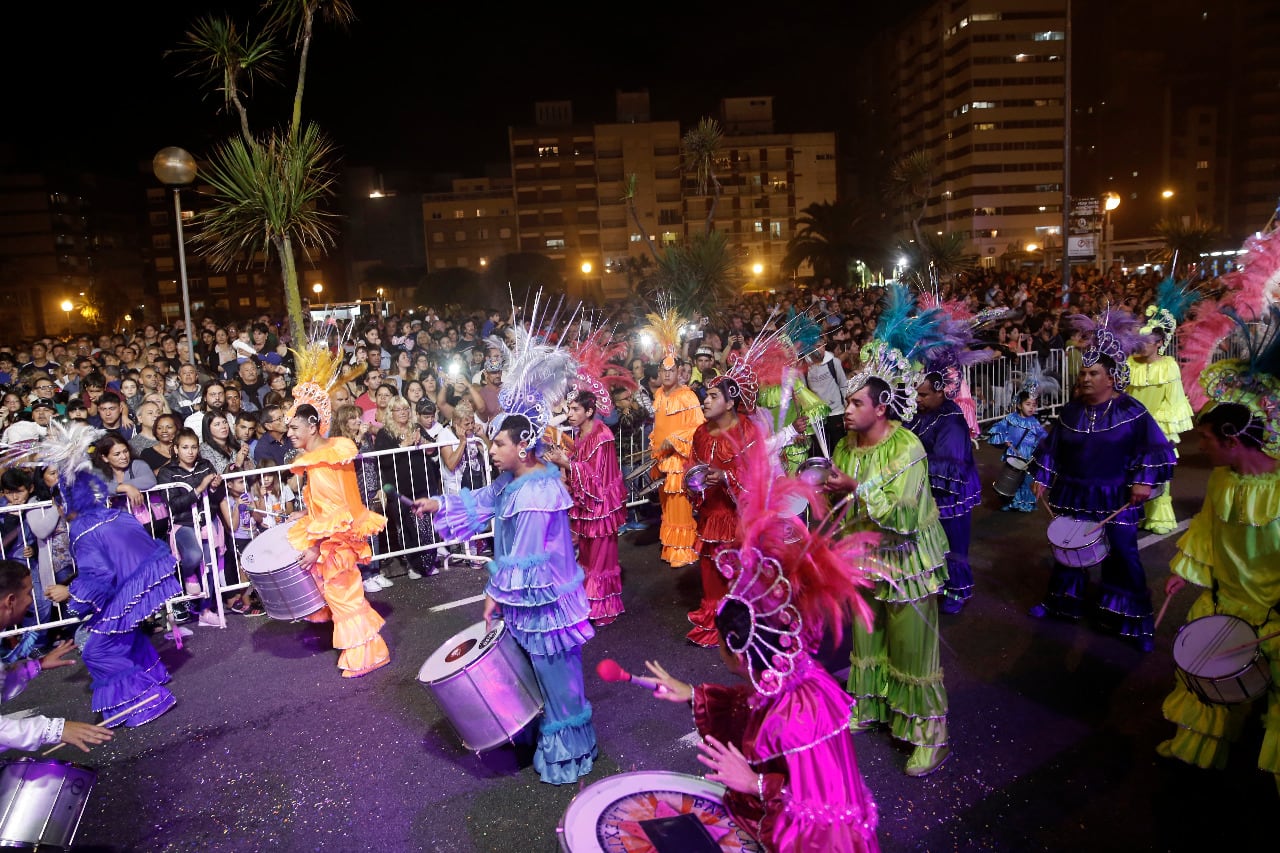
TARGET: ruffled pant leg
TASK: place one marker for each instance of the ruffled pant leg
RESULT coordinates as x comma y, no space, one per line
126,670
896,672
602,579
1125,604
959,572
1158,514
714,586
1025,499
566,747
356,625
679,531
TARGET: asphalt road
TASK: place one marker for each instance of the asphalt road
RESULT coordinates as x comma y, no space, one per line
1054,729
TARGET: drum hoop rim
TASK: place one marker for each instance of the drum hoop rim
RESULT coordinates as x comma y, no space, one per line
499,625
578,797
34,759
1251,663
1099,536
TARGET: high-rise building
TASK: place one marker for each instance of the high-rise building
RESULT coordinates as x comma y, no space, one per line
470,226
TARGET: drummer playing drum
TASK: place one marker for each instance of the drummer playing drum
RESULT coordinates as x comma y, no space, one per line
1101,462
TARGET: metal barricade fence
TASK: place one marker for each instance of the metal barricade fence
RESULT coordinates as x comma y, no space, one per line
43,530
995,384
633,453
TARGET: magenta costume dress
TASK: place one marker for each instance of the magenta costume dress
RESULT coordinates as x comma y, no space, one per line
956,487
124,576
599,509
537,582
814,798
1089,461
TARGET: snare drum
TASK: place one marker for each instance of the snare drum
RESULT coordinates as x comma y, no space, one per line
287,589
1011,476
1073,545
42,801
651,810
1217,678
484,684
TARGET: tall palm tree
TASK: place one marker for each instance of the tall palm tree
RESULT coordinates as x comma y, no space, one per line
911,181
701,151
268,190
831,234
1187,240
701,276
940,254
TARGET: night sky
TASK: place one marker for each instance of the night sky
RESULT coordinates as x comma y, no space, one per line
421,85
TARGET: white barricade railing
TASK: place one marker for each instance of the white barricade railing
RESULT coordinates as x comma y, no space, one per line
633,453
995,384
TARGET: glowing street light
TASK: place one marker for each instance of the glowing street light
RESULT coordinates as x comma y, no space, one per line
176,169
67,306
1110,201
317,289
757,269
586,267
1166,195
1033,247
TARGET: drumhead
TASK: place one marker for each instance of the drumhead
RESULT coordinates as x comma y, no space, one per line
460,651
651,810
270,550
1069,533
1017,462
1196,647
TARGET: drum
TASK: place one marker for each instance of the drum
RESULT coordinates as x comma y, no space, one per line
651,810
815,470
1220,679
484,684
1011,476
42,801
695,478
287,589
1073,545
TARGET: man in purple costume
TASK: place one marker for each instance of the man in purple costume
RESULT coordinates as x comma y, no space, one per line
953,479
1106,453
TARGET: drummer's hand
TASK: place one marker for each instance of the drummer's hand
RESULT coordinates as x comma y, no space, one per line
84,735
57,656
669,688
426,506
57,592
801,423
1139,493
491,611
1038,488
1174,585
294,516
310,556
839,481
729,766
715,477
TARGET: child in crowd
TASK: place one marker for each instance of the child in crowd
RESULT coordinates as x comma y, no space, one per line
1019,433
272,500
243,528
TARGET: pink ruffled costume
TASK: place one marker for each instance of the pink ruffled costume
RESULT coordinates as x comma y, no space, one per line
814,796
599,509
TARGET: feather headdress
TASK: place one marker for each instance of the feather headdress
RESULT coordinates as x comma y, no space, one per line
793,581
67,450
537,374
1252,382
319,370
597,371
1249,289
666,326
1115,335
1173,301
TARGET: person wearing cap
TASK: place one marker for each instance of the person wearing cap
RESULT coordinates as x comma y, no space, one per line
704,366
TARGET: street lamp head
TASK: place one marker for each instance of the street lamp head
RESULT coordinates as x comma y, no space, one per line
174,166
1032,247
66,305
757,268
317,288
1166,194
1111,201
586,267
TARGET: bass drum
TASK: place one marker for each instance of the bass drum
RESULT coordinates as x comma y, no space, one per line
288,591
484,684
651,811
42,802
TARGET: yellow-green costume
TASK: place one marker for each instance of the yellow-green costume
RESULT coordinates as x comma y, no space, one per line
803,402
1232,549
896,670
1157,385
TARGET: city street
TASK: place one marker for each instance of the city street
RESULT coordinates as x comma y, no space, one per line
1054,728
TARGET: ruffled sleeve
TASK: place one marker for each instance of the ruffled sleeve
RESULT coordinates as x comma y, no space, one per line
469,512
595,479
1154,457
953,476
124,575
721,711
332,496
1157,385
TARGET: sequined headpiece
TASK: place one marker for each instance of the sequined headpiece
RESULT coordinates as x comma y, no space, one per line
1253,382
1114,335
889,365
665,325
1173,300
739,384
596,371
319,370
537,375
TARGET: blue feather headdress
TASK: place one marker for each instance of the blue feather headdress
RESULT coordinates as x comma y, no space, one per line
1172,303
887,355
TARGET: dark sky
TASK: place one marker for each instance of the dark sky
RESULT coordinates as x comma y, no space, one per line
424,85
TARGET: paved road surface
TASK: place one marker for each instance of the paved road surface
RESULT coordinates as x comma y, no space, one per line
1054,730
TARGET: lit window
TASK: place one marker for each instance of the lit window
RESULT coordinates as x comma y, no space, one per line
1050,35
636,238
759,227
1202,164
480,212
775,230
555,244
459,214
984,105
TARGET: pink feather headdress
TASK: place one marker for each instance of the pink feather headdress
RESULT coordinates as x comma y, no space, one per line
597,371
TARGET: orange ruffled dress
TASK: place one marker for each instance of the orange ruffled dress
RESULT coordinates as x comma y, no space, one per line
339,523
676,416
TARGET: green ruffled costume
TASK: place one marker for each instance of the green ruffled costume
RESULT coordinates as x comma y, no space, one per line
1233,546
1157,385
803,402
896,670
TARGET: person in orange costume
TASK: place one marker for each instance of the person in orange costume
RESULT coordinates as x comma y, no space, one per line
676,414
333,537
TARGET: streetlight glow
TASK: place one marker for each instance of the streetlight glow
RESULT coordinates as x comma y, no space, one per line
1111,201
1032,247
67,306
1167,194
176,169
586,268
317,288
757,268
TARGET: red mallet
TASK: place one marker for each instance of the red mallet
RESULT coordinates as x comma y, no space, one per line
609,670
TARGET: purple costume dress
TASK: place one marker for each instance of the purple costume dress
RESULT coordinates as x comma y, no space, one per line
124,576
814,797
956,488
536,580
1089,460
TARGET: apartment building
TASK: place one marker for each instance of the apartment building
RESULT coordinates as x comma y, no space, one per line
471,225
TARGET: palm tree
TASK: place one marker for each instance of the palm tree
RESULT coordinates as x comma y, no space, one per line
831,234
1187,239
268,191
911,181
700,276
701,150
937,254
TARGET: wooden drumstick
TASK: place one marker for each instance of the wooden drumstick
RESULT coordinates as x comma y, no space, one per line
126,712
1247,645
1163,608
1103,523
1044,503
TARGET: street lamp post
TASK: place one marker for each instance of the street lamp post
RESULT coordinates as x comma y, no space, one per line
176,169
1110,201
67,306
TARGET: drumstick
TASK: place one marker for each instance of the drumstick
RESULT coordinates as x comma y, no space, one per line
126,712
1247,645
1163,608
1103,523
1044,503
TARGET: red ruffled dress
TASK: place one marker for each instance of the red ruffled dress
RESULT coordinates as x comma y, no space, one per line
339,523
599,509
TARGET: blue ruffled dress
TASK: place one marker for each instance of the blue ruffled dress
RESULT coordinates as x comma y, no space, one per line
124,575
1022,434
536,580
